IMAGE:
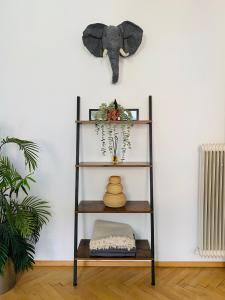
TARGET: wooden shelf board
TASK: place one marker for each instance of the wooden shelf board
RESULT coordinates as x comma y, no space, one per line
110,164
143,252
114,122
99,207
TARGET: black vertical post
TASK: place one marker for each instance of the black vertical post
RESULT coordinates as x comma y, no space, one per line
76,192
151,192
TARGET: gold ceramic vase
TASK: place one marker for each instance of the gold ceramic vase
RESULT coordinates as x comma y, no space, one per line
115,159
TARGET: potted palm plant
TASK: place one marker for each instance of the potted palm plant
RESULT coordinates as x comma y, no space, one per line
21,215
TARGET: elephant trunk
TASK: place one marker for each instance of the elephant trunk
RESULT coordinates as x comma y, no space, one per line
114,61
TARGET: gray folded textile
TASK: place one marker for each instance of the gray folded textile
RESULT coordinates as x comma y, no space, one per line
114,253
112,235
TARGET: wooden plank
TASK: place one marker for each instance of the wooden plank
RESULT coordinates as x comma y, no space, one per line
143,252
99,207
44,283
110,164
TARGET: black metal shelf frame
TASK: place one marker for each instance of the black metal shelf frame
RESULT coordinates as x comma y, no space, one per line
78,123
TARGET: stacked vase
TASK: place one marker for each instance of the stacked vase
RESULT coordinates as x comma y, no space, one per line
114,197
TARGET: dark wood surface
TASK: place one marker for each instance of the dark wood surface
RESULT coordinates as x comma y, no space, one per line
143,252
110,164
99,207
115,122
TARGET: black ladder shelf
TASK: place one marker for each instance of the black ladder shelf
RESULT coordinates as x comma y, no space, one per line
143,250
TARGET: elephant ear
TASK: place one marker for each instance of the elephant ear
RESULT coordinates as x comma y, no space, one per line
132,36
92,38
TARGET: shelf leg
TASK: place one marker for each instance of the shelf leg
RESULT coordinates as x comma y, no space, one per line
75,251
153,272
151,194
76,194
75,273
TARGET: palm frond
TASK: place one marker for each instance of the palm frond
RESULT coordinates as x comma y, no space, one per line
8,174
24,221
11,179
4,250
2,211
35,204
27,217
30,150
5,233
4,246
22,253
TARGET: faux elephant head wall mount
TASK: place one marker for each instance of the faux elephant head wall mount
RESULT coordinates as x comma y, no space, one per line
123,40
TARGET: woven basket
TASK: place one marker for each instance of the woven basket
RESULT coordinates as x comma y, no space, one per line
114,179
114,188
111,200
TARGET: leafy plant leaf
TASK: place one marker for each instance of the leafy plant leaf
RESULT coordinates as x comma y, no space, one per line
22,253
30,150
3,255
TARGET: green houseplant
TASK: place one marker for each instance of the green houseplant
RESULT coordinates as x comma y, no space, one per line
109,130
21,215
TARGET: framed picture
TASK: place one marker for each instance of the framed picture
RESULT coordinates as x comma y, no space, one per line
92,113
134,113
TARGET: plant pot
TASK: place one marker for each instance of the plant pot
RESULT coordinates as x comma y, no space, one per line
8,279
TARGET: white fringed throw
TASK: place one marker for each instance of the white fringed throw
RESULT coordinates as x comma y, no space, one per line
112,235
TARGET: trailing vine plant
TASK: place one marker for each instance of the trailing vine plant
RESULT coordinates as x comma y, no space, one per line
108,131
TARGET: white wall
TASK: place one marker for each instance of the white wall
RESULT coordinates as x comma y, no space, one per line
181,63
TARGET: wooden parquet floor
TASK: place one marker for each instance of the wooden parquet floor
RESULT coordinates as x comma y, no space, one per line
124,283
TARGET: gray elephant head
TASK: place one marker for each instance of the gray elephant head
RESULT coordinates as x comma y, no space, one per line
123,40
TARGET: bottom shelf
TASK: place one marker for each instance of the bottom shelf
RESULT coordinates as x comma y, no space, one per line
143,252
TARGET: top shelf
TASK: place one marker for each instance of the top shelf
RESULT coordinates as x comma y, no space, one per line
110,164
114,122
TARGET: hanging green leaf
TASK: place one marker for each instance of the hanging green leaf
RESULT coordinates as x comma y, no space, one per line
113,112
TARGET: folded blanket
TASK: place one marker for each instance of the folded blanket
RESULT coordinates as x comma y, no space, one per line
112,235
114,253
108,253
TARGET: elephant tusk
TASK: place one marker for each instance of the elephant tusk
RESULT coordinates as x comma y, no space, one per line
105,52
123,53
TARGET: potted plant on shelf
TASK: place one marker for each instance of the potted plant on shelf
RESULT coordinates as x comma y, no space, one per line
21,216
109,130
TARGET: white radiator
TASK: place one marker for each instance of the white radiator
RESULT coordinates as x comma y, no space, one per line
212,201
